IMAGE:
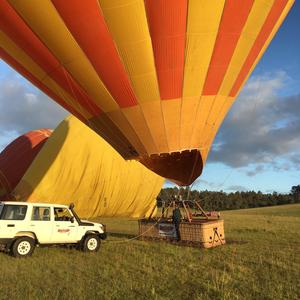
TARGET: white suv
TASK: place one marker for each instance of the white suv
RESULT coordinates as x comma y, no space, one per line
25,225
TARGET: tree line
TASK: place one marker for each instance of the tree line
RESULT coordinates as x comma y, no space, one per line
225,201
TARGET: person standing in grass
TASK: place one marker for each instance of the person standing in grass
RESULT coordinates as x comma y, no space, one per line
176,217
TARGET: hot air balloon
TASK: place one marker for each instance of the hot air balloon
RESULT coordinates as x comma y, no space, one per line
17,157
154,78
76,165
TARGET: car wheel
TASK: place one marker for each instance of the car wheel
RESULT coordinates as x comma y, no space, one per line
22,247
91,243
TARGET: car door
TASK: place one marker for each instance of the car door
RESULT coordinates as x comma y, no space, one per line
41,223
12,219
65,227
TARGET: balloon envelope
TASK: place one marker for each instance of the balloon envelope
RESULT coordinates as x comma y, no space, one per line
155,78
17,157
76,165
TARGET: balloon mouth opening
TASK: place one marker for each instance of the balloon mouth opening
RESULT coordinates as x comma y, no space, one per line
183,168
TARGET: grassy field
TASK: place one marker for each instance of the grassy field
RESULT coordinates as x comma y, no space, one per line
260,261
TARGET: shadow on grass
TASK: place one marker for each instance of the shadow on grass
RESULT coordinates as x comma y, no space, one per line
168,241
120,235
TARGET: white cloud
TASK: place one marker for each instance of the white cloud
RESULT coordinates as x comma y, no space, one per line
23,108
261,128
31,99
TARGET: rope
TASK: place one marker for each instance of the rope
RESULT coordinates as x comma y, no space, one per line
138,236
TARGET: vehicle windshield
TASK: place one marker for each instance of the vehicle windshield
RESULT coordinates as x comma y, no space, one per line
13,212
1,208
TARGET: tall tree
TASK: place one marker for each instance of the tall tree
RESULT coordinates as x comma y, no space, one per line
295,191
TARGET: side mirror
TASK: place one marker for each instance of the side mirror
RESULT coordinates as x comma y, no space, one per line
72,219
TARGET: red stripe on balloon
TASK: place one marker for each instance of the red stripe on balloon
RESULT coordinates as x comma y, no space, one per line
234,17
261,39
20,69
167,24
17,30
86,23
17,157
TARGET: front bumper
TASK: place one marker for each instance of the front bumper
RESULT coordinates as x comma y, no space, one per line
103,235
6,242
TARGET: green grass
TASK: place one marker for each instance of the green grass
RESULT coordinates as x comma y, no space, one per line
260,261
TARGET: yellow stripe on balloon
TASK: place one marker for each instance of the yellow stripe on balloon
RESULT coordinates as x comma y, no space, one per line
154,117
137,120
127,22
28,63
202,29
171,113
198,134
255,21
44,20
187,120
274,31
213,129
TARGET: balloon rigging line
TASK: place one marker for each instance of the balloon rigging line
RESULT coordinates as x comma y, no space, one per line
152,226
140,235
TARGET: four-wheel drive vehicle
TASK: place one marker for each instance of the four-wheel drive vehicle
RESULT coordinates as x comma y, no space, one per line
25,225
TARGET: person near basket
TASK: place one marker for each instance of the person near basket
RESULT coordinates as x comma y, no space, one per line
176,217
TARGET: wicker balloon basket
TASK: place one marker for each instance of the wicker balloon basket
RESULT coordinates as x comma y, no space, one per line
205,233
204,229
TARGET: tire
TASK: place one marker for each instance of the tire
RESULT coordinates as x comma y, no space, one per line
23,247
91,243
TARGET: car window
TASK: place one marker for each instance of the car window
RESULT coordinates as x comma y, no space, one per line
40,213
13,212
62,214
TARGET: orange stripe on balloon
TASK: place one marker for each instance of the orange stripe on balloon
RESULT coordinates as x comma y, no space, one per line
234,17
42,133
19,68
86,23
262,37
17,30
167,24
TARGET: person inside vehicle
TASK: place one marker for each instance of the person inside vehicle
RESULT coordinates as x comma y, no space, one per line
46,214
36,214
56,218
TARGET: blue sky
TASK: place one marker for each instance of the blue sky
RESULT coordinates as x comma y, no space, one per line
282,58
258,145
284,51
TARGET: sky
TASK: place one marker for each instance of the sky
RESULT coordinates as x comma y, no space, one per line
258,145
